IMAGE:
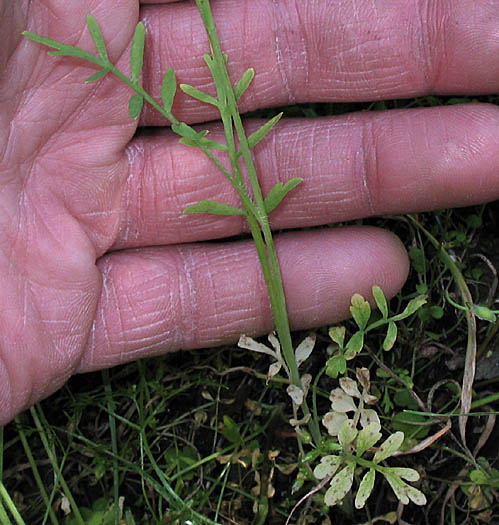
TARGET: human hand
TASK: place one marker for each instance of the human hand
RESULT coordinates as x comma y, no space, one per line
97,265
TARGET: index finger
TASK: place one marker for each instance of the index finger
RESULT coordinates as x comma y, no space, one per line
327,51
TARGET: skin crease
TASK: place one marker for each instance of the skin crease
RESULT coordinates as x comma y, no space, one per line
98,265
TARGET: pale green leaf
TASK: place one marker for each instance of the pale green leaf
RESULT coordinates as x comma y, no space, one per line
214,207
327,467
135,106
198,94
340,485
380,299
484,313
365,488
304,349
346,434
137,52
354,345
391,336
168,89
336,365
360,310
389,446
244,82
97,76
278,192
412,306
97,37
261,132
367,437
337,334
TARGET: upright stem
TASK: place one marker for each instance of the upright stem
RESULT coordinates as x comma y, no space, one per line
258,222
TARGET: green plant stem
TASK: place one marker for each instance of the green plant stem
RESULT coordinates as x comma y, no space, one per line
258,220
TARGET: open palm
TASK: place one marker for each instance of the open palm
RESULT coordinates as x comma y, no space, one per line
97,261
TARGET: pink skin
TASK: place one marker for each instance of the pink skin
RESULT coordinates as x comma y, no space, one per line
77,189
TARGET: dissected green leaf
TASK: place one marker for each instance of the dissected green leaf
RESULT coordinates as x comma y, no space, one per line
210,144
214,207
340,485
346,434
168,89
365,488
230,430
97,76
188,132
411,424
62,49
97,37
198,94
337,334
244,82
135,106
336,365
389,446
380,299
137,52
278,192
412,306
261,132
327,467
360,310
367,438
354,345
391,336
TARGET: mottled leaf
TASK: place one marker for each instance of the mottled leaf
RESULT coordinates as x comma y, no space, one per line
389,446
366,486
349,386
346,434
341,402
296,394
391,336
327,467
340,485
367,437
